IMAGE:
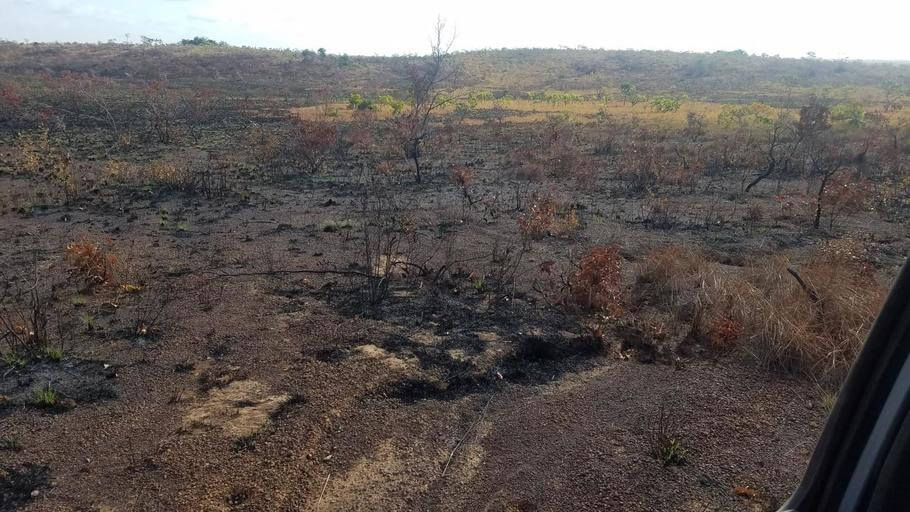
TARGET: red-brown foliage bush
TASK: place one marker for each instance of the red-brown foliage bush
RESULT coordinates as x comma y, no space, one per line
547,216
541,215
97,266
596,284
10,102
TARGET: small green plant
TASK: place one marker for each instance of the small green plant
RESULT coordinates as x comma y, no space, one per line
47,396
9,443
671,452
54,353
479,284
665,442
829,399
13,359
88,321
334,226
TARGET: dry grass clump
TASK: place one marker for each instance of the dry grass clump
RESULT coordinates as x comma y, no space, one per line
817,327
668,273
811,318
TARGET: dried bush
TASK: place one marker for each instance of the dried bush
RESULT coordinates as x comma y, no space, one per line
892,196
596,284
755,214
206,178
27,328
160,107
264,144
664,440
97,266
547,216
11,103
462,176
24,321
152,310
540,217
311,143
843,195
812,321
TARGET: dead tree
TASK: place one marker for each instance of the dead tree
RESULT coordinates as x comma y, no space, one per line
426,81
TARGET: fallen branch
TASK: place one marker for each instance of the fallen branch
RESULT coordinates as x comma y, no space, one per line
465,436
292,271
326,484
803,285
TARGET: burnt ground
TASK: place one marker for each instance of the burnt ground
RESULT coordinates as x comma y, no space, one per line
261,388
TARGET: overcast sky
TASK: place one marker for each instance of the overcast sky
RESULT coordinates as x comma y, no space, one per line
867,29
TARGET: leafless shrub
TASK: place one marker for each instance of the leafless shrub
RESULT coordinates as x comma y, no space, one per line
152,310
664,441
389,237
27,327
504,263
40,155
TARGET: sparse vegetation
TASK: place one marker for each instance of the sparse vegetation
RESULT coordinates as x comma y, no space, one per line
229,227
9,443
46,396
665,442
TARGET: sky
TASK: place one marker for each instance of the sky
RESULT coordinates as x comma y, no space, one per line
867,29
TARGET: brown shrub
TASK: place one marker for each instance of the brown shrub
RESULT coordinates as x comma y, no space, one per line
97,266
540,217
596,285
39,155
547,216
311,143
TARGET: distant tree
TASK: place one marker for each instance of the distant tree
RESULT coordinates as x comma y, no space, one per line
321,52
664,104
849,114
202,41
828,156
629,93
774,135
893,92
426,81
